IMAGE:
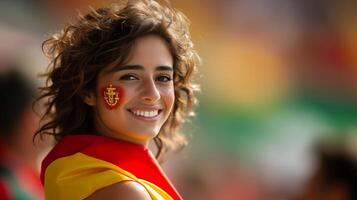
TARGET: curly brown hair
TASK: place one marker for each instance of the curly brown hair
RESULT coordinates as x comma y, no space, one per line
105,36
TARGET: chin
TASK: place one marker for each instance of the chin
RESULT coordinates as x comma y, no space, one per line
144,135
148,136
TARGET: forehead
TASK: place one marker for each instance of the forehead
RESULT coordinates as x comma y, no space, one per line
150,50
147,51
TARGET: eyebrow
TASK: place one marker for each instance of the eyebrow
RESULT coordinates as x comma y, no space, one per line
139,67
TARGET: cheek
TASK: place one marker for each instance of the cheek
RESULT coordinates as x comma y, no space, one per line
169,97
112,96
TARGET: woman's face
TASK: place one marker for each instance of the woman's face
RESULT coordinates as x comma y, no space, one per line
132,101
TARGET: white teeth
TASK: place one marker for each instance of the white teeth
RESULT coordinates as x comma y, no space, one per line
152,113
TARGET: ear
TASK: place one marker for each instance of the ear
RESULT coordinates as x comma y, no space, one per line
89,98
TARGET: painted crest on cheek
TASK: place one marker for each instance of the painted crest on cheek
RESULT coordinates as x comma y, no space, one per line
111,96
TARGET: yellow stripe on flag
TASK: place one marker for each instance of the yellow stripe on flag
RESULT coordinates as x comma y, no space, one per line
79,175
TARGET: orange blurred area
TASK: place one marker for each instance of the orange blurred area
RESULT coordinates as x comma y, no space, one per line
278,106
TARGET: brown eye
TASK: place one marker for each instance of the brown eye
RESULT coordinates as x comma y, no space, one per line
164,78
128,77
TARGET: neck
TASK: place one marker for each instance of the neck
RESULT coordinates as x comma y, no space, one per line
103,130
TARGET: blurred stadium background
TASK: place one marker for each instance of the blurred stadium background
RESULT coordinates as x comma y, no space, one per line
278,77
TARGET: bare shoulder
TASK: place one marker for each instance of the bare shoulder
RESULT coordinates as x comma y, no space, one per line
127,190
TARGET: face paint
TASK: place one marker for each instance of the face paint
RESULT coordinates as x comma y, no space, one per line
111,95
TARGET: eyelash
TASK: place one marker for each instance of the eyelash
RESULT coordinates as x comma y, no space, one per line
129,77
168,78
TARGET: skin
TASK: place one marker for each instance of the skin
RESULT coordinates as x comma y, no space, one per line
146,81
117,92
128,190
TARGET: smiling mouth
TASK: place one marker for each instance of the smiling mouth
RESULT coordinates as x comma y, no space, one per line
146,113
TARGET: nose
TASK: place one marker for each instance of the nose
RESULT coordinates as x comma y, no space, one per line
150,92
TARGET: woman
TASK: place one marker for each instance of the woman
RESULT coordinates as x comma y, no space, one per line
119,77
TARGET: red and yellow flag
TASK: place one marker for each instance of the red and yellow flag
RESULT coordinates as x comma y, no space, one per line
81,164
